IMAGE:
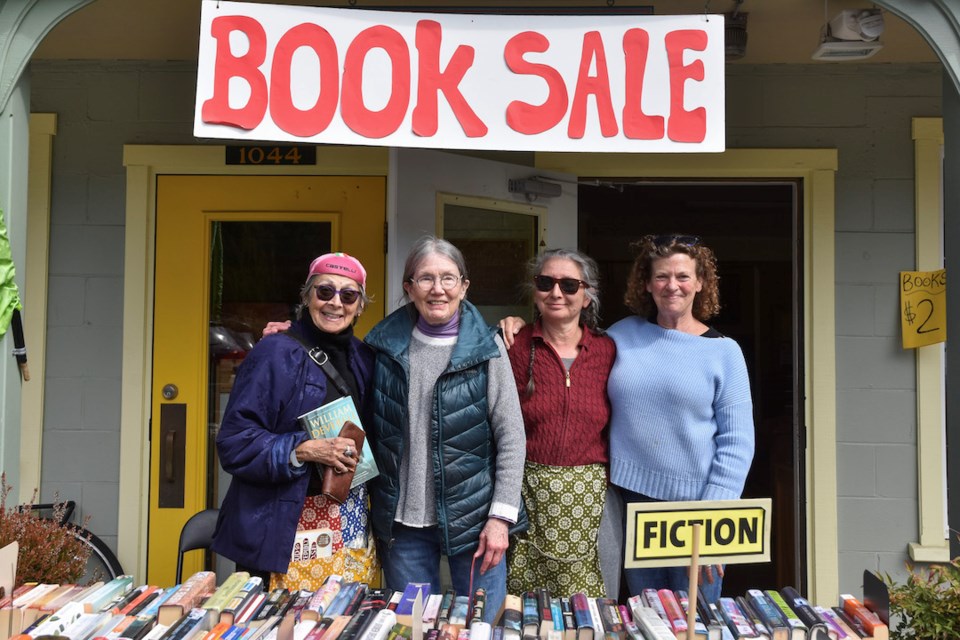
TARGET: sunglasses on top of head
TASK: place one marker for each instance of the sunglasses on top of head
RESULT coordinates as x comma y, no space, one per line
568,286
325,293
667,239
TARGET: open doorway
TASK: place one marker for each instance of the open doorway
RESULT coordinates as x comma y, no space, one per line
754,229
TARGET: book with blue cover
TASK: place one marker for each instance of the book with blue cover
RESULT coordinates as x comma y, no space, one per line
327,420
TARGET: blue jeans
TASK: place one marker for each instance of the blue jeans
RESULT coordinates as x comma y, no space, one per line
415,554
673,578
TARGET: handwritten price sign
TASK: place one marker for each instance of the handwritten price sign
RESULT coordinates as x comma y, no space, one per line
923,307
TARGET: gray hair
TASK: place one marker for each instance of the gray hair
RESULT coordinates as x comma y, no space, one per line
590,273
307,290
427,246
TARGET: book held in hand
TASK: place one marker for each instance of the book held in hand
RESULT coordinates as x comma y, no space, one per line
326,422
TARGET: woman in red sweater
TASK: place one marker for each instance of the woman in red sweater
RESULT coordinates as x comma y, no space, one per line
561,363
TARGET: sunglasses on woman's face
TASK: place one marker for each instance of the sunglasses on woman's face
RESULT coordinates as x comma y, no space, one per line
568,286
325,293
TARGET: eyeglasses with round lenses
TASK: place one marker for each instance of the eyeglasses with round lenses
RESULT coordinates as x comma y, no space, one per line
325,293
448,281
568,286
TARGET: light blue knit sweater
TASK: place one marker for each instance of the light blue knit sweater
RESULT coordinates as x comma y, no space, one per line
682,418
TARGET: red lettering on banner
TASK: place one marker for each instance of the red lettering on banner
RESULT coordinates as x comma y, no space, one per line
598,85
285,114
685,126
217,109
363,121
432,80
636,124
523,117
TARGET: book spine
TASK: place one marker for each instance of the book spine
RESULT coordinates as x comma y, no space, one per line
459,611
870,621
753,617
325,594
833,621
556,612
673,611
699,625
736,619
478,606
804,610
793,621
431,609
851,622
595,616
381,625
443,611
480,630
581,610
766,609
543,606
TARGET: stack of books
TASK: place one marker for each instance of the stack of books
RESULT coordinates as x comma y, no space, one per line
242,608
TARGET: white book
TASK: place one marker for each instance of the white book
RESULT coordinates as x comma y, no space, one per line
381,625
36,593
595,617
481,631
157,631
60,620
302,628
650,622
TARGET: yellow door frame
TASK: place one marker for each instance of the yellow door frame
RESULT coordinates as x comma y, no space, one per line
143,164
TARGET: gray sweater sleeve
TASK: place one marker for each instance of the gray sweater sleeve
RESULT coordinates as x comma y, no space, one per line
511,440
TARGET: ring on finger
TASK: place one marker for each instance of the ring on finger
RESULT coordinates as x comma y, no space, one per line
348,452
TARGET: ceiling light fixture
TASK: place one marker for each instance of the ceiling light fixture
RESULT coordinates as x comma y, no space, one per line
852,34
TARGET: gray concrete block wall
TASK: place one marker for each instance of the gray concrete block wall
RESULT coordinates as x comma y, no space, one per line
862,110
865,112
100,107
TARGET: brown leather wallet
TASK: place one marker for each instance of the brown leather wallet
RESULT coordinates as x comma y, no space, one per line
337,485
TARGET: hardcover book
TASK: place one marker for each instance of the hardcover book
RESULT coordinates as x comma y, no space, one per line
737,621
870,620
326,422
511,617
187,596
581,615
817,628
769,614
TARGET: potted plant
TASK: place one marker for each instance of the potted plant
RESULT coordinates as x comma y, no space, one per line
50,552
927,605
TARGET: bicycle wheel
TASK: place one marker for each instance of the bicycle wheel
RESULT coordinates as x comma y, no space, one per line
102,564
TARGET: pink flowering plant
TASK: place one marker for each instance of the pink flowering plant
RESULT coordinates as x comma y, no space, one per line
49,552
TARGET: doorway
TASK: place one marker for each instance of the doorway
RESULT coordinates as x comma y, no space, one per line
754,229
232,253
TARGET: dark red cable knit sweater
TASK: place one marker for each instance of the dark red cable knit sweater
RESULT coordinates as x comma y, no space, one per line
566,426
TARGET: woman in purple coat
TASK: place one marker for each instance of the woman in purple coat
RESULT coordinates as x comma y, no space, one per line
274,519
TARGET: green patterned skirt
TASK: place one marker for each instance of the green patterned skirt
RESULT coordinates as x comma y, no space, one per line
559,550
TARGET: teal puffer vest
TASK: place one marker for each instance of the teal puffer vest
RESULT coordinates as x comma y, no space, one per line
464,458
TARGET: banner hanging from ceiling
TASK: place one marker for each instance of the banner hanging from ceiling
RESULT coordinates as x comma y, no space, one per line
644,84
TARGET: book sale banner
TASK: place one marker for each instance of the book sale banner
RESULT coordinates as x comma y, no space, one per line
617,83
923,307
660,534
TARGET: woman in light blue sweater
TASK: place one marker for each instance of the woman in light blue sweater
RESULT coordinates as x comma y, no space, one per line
681,426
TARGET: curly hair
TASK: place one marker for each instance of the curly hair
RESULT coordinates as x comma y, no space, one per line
706,304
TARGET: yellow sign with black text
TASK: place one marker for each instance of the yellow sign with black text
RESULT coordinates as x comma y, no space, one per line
660,534
923,307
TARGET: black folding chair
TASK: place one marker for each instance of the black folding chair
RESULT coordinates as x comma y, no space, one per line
197,533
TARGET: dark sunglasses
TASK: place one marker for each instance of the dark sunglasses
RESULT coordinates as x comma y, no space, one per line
325,293
667,239
568,286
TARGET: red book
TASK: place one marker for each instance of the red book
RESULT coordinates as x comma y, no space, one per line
675,616
870,621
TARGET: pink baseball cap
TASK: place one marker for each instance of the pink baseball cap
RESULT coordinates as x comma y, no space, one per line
339,264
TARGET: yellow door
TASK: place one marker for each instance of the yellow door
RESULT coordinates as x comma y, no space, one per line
231,253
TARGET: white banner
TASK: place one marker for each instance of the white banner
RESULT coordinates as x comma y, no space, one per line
615,83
